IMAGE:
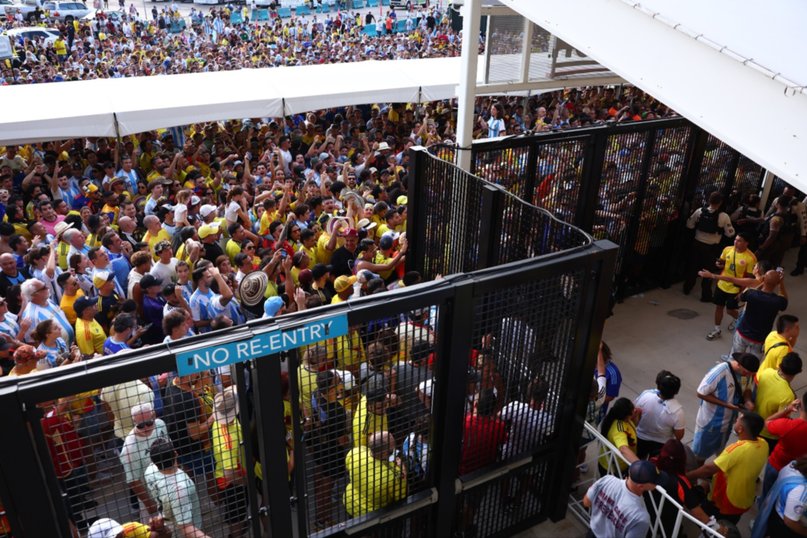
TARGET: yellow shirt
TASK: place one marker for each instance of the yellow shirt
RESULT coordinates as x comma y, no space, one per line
226,446
312,256
307,385
348,349
152,240
134,529
773,355
738,265
373,485
773,394
232,249
323,254
621,433
90,337
365,423
66,304
336,299
734,486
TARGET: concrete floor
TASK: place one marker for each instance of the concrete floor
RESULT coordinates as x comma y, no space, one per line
645,339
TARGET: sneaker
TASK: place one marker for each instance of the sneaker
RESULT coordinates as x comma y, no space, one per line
583,467
797,271
715,333
732,325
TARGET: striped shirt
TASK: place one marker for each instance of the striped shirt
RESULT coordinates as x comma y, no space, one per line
719,382
36,314
9,325
205,307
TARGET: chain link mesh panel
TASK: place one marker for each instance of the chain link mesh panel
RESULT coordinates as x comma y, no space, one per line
161,451
714,171
748,177
451,201
617,205
505,167
491,508
518,368
365,415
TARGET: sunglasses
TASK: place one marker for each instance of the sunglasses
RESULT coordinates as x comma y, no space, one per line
144,425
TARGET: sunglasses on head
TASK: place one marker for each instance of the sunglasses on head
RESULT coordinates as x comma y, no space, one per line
144,425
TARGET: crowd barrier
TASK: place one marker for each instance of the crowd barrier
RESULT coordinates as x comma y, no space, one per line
632,183
518,337
601,446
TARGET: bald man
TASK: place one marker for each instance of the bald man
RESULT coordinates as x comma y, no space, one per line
762,307
375,482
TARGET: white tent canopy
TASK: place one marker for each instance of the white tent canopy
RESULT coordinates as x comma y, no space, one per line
42,112
734,67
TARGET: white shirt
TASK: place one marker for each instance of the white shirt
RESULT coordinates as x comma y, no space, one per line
231,213
134,455
177,493
165,272
659,417
528,427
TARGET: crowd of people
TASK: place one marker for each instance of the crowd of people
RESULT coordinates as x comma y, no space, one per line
750,393
111,245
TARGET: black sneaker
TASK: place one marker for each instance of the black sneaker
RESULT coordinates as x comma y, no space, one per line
797,271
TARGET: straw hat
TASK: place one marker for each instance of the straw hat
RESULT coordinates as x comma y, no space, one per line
252,288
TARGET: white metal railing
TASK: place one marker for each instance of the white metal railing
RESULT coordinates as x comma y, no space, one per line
614,457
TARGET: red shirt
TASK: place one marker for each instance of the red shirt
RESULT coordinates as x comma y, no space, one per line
63,442
792,441
481,439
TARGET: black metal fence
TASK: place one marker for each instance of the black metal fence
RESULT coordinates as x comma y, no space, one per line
634,184
449,407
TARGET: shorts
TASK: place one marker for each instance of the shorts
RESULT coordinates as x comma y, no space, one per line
708,442
234,502
197,463
729,300
740,344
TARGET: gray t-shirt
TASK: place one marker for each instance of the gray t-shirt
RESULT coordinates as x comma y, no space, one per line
616,512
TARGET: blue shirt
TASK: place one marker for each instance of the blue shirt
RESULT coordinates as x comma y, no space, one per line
111,347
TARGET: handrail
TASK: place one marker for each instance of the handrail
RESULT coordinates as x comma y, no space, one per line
614,457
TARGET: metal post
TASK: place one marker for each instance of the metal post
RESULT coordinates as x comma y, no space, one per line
272,443
526,45
471,11
417,210
28,473
248,412
591,315
591,179
767,185
490,231
449,404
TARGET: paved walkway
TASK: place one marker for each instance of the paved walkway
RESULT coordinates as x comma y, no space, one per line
645,338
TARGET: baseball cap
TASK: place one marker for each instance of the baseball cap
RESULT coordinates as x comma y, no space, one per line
206,210
101,277
105,528
272,306
385,242
207,230
343,282
90,187
305,277
351,232
149,281
81,304
644,472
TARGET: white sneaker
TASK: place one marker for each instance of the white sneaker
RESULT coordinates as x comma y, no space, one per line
732,325
715,333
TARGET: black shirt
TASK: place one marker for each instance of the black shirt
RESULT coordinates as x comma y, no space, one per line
212,251
342,262
179,408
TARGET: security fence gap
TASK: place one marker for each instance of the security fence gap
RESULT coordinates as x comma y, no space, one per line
447,408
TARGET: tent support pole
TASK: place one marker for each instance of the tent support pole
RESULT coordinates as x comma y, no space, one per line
467,88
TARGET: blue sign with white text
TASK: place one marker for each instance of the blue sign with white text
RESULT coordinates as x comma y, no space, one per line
261,345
